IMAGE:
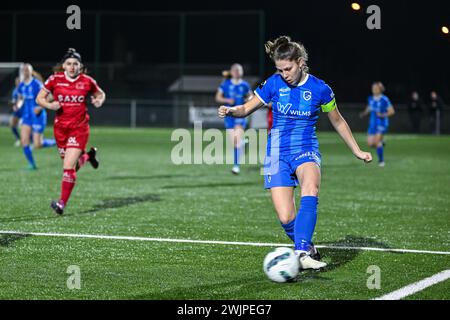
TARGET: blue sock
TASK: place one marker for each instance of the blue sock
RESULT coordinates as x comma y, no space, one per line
289,229
380,152
15,133
29,155
236,156
48,143
305,222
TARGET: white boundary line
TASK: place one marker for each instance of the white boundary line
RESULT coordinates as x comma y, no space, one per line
416,286
236,243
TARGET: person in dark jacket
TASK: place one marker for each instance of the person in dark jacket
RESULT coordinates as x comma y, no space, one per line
435,109
415,110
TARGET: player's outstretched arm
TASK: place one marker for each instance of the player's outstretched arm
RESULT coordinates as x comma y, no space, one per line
241,111
341,126
41,100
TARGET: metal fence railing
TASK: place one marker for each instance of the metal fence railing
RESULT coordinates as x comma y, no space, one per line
135,113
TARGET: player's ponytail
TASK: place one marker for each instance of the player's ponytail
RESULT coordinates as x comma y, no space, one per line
226,74
282,48
37,75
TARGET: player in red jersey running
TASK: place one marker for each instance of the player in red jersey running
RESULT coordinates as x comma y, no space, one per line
70,90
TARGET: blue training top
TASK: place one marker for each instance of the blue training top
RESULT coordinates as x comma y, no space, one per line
379,104
237,91
29,92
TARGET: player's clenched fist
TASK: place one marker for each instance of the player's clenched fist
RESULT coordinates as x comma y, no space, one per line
365,156
223,111
97,101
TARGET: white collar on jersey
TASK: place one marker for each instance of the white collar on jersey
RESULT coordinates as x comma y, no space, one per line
304,80
377,98
236,82
69,78
27,83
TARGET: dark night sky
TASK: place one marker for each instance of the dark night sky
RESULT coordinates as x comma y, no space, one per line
408,52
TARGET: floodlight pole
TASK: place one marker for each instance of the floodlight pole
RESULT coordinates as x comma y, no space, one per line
97,42
182,47
14,38
262,32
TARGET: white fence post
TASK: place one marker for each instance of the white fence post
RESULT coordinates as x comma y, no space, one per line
133,114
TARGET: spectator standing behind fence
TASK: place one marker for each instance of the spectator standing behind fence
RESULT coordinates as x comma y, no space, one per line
415,110
435,110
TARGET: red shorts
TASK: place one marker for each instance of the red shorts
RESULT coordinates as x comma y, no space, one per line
66,138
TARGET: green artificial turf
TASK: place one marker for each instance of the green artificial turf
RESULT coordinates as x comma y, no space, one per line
139,192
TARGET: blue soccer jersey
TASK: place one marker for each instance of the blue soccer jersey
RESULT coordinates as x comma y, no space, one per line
292,140
295,111
29,92
378,105
236,91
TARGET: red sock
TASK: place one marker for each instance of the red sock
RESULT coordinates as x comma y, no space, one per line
82,160
68,182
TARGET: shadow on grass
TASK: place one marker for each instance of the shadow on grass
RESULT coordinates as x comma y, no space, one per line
114,203
7,240
213,185
152,177
108,203
336,257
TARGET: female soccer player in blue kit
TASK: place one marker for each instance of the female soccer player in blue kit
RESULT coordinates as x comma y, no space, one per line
292,150
380,109
34,117
233,92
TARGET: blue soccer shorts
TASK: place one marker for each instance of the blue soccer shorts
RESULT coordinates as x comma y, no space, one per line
279,171
231,122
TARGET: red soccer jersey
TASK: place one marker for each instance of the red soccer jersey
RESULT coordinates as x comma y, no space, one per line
71,95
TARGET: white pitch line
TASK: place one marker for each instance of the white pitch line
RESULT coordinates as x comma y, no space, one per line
236,243
416,286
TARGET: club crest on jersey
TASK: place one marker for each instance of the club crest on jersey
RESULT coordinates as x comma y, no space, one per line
79,86
307,95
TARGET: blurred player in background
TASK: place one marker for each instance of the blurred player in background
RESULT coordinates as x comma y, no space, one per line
415,110
435,109
16,114
71,88
380,108
231,92
33,117
293,155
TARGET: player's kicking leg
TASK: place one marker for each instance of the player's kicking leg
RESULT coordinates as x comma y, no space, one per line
309,176
283,201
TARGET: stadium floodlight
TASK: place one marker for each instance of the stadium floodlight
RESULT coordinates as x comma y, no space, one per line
445,30
356,6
